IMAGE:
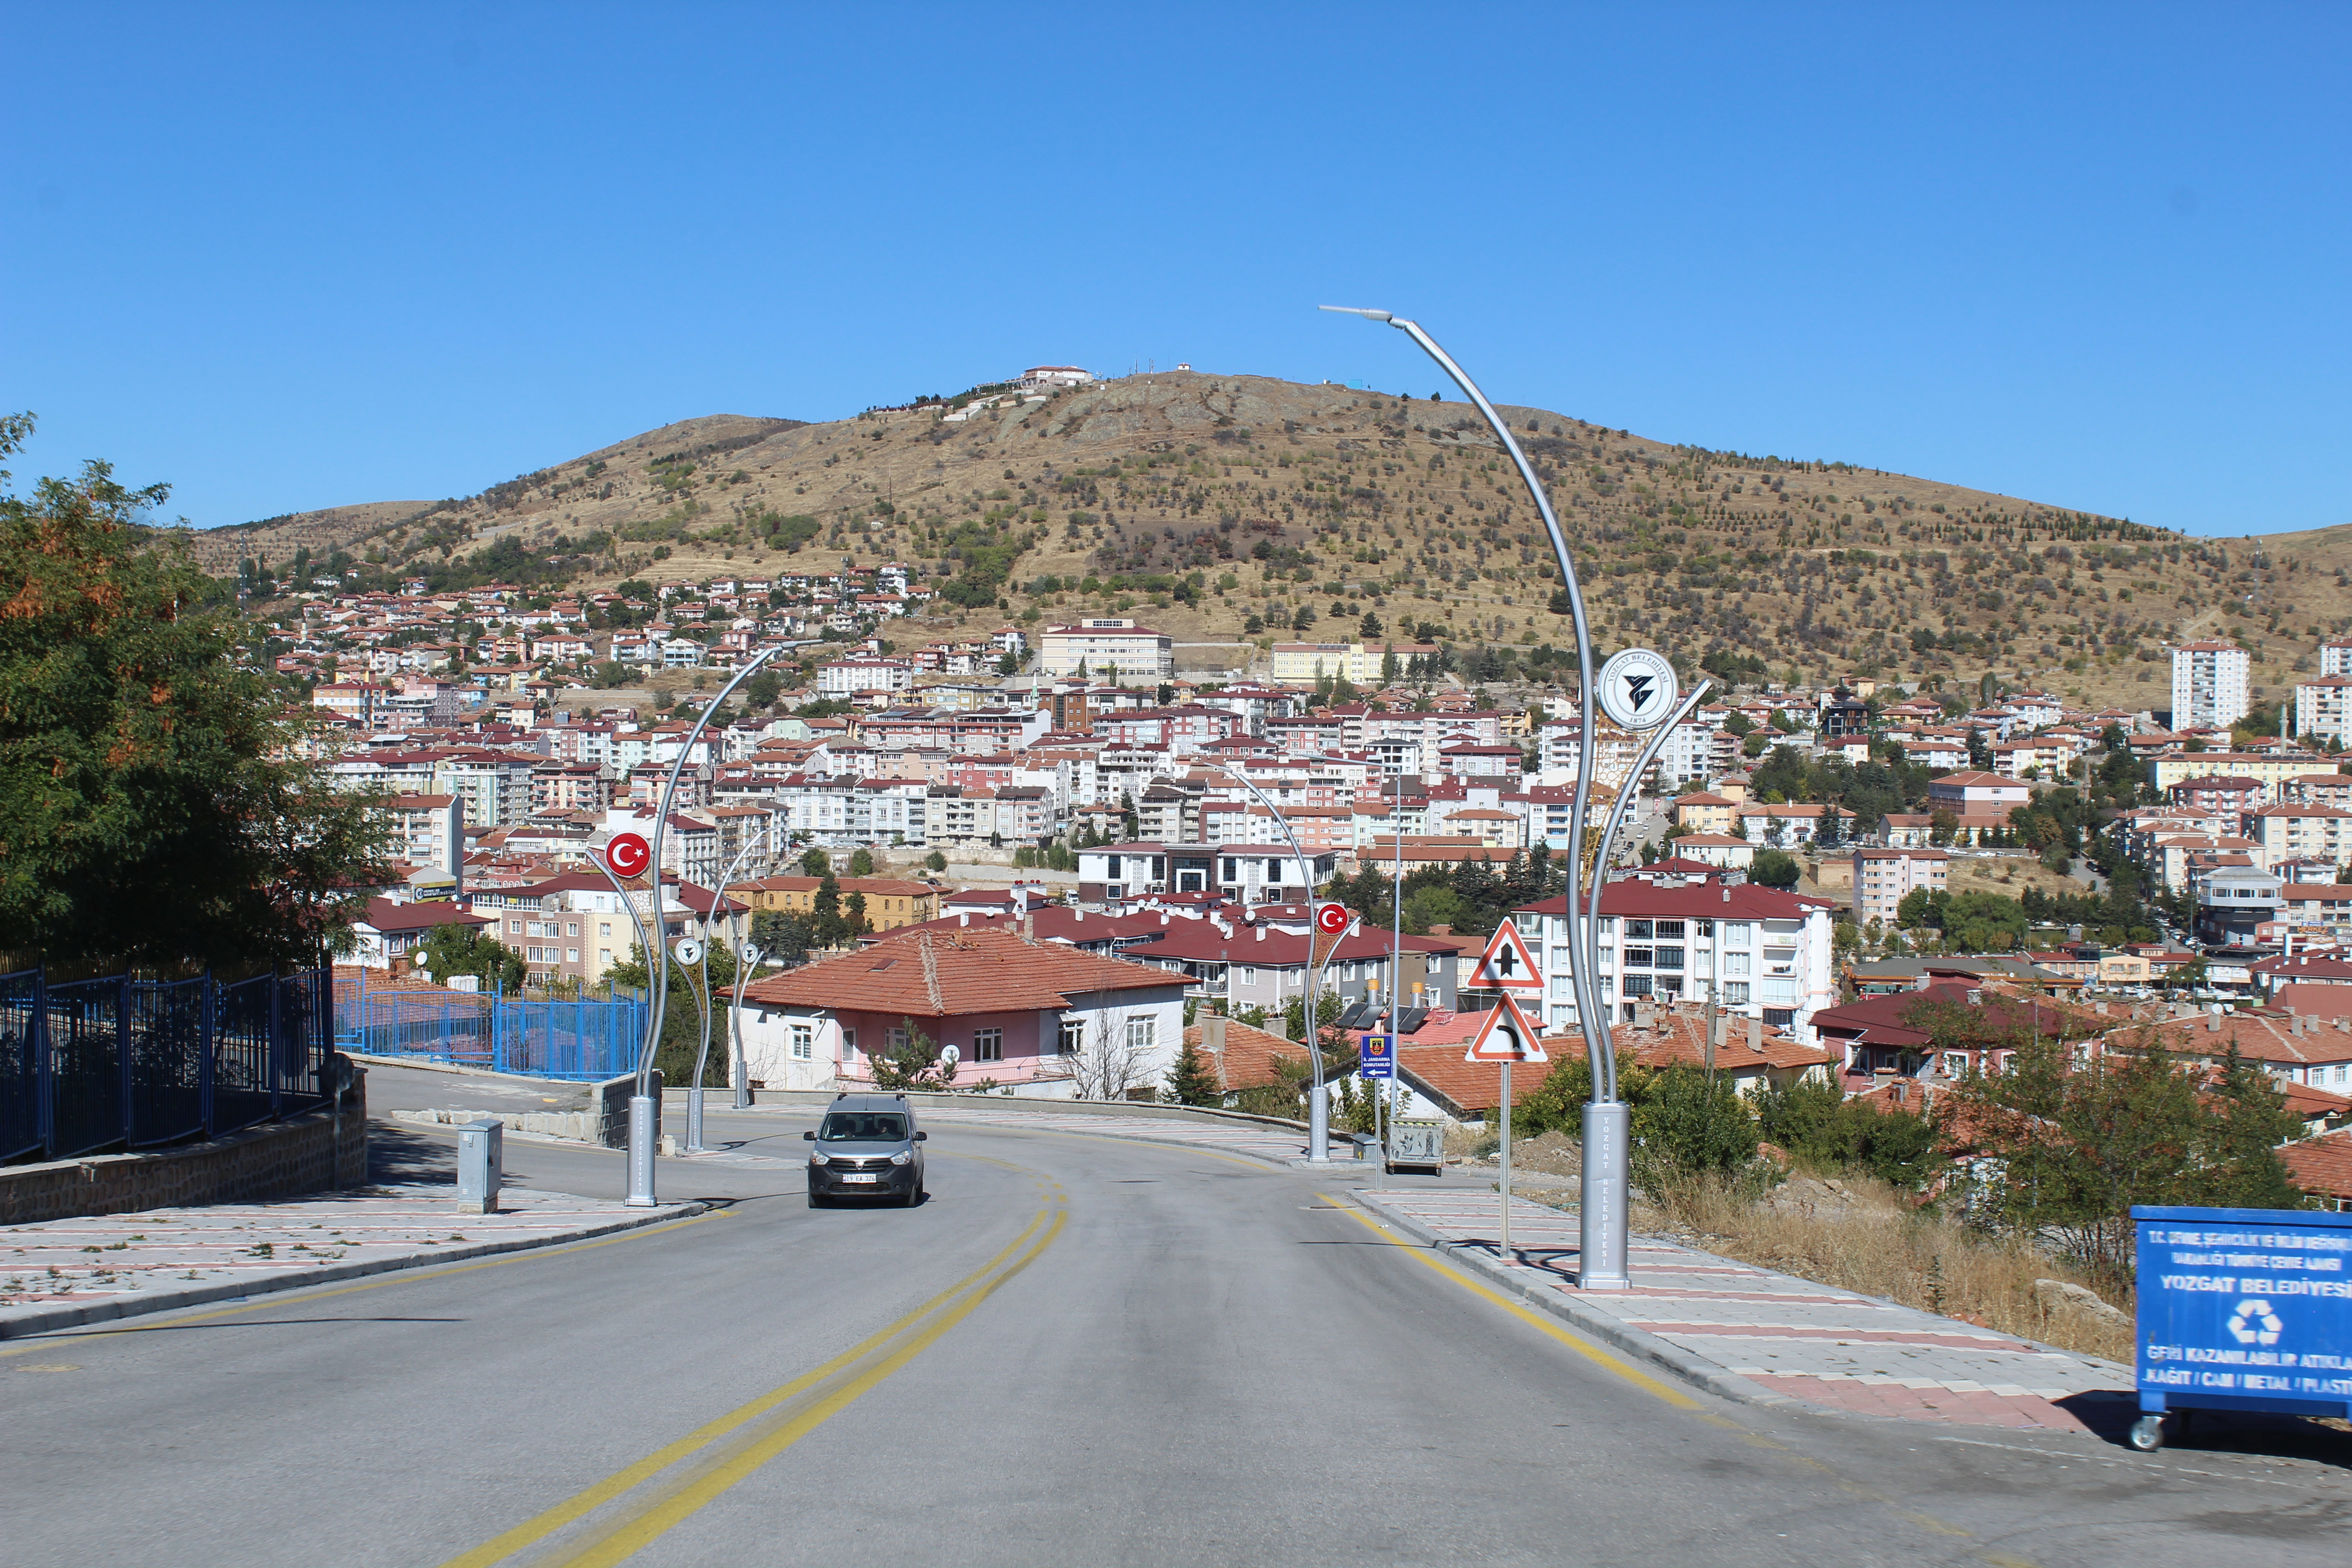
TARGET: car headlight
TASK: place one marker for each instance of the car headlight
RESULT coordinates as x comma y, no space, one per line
903,1157
819,1157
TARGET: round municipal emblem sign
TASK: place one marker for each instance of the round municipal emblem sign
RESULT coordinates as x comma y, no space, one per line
689,950
1331,919
627,854
1638,688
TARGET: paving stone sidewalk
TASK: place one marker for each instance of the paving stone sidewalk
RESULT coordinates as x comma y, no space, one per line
60,1273
1730,1324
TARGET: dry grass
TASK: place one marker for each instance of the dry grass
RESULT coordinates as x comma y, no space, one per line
1861,1235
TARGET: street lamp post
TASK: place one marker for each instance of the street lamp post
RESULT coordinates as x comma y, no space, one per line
644,1111
702,1058
1318,1107
1601,1237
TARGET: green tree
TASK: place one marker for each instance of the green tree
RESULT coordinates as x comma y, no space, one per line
912,1063
784,935
815,862
153,808
861,862
1192,1082
468,950
935,861
1774,869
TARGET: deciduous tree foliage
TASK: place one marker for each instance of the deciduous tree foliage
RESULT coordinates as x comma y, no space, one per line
151,810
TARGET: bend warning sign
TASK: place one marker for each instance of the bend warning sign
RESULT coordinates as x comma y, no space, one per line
1507,1036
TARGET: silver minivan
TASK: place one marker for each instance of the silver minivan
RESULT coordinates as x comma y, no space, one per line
867,1147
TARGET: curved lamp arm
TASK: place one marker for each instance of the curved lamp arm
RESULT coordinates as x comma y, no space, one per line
1586,989
1313,1031
661,820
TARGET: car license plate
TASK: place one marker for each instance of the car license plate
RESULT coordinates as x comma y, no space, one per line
856,1178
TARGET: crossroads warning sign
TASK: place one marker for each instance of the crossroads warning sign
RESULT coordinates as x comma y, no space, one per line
1508,964
1507,1036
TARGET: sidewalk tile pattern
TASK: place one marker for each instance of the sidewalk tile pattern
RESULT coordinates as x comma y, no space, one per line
1795,1337
72,1262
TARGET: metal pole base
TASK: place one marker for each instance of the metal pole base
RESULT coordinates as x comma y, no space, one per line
1319,1126
1600,1209
742,1093
694,1120
643,1112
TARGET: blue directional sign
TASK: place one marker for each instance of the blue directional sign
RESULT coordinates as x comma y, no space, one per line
1377,1058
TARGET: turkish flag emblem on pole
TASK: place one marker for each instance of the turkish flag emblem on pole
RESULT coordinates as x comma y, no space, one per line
1331,920
627,854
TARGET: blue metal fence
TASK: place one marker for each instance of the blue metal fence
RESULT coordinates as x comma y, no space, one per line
87,1065
586,1040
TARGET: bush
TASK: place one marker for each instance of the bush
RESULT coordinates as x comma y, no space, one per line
1820,1127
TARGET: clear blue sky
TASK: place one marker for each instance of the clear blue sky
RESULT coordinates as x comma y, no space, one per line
293,257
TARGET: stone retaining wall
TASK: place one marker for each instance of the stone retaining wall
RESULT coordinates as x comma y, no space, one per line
319,1150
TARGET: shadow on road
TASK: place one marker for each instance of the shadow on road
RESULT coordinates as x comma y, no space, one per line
397,1155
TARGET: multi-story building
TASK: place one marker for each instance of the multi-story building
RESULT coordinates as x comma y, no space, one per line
1883,879
863,677
1106,646
1249,873
2323,708
2283,833
1306,663
2209,684
889,903
428,831
1759,951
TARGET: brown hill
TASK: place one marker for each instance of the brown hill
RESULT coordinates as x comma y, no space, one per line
1201,501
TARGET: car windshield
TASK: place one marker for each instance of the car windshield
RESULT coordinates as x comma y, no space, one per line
864,1127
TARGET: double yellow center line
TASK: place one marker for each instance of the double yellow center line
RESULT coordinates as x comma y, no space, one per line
680,1478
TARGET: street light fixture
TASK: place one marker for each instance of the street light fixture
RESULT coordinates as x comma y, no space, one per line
644,1111
1602,1211
1318,1107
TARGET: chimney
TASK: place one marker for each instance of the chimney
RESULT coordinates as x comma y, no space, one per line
963,919
1261,933
2213,1022
1029,929
1727,892
1212,1040
1756,1036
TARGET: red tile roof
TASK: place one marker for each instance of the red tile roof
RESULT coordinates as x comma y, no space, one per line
937,974
2322,1166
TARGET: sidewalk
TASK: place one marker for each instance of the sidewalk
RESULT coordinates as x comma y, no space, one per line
65,1272
1752,1334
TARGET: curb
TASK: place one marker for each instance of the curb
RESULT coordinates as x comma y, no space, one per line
1695,1370
55,1319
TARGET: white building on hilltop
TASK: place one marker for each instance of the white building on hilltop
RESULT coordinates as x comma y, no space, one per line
2209,684
1047,377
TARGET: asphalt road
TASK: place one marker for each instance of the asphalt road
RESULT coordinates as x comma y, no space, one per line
1080,1351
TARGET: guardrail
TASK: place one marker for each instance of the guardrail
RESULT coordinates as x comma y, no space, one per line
90,1065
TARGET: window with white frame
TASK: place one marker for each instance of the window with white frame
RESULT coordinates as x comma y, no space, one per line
1735,994
894,1040
1071,1039
848,1044
1140,1034
803,1042
988,1045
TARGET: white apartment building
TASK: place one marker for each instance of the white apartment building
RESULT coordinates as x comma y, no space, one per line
1107,644
1883,879
856,676
1305,663
2209,684
428,831
2323,708
1760,952
2283,833
2336,658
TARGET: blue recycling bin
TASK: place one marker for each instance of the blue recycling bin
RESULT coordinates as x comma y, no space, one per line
2243,1309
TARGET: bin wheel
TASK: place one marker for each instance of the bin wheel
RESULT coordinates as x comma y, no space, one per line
2147,1433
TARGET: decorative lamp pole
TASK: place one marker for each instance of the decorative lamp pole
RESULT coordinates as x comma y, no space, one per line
1318,1105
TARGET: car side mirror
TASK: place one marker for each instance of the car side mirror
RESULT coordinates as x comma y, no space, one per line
922,1137
809,1135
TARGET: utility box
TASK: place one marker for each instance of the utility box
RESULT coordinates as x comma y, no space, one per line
481,1161
1417,1146
2243,1309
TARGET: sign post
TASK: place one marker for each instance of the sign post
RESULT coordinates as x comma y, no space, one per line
1507,1036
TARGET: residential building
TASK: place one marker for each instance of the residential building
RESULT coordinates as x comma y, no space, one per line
1108,646
853,677
2323,708
1040,1017
428,831
2209,684
2283,833
1306,663
389,933
1883,879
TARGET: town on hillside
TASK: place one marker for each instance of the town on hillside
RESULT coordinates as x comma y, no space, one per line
1798,852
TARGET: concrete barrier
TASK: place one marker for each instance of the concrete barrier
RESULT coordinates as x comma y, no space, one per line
317,1151
608,1109
921,1099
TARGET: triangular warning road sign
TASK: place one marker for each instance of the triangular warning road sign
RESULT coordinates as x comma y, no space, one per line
1507,964
1507,1036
